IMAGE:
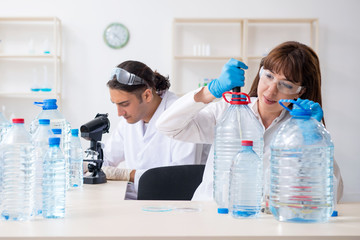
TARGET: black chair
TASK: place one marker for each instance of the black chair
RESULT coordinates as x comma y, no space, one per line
170,183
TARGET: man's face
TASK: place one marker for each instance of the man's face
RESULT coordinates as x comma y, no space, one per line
128,105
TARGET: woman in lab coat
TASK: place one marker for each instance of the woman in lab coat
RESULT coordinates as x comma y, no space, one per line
290,71
141,96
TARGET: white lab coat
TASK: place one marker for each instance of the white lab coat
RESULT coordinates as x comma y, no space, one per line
143,147
195,122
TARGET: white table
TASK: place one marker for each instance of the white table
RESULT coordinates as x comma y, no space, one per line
99,212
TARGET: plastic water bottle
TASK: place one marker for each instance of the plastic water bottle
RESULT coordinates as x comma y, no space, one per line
16,157
76,160
4,126
238,123
57,120
40,141
301,169
246,182
54,181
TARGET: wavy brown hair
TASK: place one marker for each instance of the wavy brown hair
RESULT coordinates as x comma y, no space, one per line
299,64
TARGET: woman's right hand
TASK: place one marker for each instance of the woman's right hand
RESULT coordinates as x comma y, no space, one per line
232,75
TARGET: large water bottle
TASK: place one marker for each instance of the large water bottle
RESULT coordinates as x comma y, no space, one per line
238,123
40,141
57,120
4,126
246,182
54,181
301,186
17,161
76,160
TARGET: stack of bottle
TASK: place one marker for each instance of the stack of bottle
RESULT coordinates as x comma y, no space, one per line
238,123
34,176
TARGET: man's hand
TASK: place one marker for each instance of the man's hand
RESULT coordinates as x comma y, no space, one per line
114,173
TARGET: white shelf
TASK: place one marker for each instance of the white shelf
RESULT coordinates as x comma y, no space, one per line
39,94
23,59
247,40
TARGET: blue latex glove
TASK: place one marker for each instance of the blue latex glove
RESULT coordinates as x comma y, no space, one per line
316,111
232,75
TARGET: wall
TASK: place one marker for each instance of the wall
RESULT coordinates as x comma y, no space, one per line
87,61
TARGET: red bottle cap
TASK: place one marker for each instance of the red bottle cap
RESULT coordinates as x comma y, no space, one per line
18,120
246,143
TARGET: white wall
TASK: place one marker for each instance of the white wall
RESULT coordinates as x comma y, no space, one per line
87,61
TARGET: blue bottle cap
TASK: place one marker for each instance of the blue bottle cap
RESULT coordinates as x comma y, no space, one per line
56,130
297,111
47,104
334,214
223,210
75,132
44,121
54,141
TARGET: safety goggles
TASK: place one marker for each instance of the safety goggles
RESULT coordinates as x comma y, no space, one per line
284,86
124,77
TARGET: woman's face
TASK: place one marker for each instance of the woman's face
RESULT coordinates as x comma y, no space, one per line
271,88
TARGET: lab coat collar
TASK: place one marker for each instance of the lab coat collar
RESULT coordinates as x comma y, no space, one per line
254,107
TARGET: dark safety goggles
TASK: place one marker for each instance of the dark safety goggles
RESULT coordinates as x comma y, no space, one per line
124,77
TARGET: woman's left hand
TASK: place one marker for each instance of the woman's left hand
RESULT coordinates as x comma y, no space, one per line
316,110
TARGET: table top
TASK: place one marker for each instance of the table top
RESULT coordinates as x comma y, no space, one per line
100,212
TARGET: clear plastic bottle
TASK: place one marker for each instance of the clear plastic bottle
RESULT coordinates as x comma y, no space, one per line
76,160
4,126
16,157
54,181
238,123
57,120
246,182
40,141
301,186
58,133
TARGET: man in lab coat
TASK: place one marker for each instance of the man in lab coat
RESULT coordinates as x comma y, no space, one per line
141,95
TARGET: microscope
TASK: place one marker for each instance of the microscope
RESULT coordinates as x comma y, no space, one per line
93,131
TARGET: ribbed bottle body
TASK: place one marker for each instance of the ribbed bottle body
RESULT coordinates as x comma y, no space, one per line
18,178
57,120
238,123
76,163
54,184
40,141
301,176
246,184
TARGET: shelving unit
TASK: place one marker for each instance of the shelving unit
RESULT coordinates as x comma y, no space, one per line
30,56
202,46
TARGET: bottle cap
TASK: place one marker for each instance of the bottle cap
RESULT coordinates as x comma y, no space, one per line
54,141
223,210
44,121
297,110
246,143
18,120
75,132
47,104
56,130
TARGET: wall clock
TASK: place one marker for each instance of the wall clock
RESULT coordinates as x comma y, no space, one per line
116,35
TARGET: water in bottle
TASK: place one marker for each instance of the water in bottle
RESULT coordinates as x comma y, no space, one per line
40,141
238,123
301,186
4,126
76,160
58,133
17,161
246,183
57,120
54,181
